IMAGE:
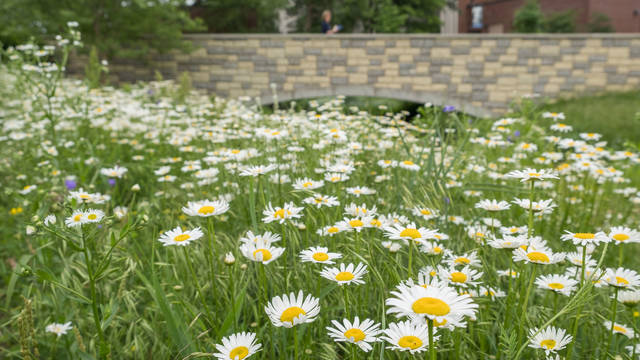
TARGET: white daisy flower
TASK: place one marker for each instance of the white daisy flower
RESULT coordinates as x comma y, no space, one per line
261,251
493,205
356,332
345,274
550,339
181,238
561,284
237,346
623,235
530,174
281,214
408,336
267,237
58,329
621,278
619,329
318,255
435,303
307,184
289,311
583,239
539,255
206,208
319,201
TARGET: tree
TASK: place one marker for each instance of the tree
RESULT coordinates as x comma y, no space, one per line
242,16
529,18
600,23
560,22
386,16
127,28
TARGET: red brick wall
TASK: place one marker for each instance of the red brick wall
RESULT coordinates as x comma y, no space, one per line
501,12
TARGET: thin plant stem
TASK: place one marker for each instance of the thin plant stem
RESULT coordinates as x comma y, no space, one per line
195,280
104,347
409,268
614,308
432,346
530,229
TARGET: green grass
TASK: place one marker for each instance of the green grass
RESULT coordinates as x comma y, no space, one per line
612,114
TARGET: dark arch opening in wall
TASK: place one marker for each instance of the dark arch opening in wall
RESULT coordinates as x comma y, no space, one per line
434,98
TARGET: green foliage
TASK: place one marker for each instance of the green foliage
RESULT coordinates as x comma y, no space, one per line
127,28
372,16
93,70
242,16
529,18
561,22
184,87
600,23
612,115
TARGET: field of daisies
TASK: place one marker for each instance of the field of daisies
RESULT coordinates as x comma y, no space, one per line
139,223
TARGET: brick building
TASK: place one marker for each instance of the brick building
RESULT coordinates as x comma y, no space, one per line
496,16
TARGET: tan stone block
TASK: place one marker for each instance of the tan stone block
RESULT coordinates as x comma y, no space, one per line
358,78
464,88
440,52
549,50
618,53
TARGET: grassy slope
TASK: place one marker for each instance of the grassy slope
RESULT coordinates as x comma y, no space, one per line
612,115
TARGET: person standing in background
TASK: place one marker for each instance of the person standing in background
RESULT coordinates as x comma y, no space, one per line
326,23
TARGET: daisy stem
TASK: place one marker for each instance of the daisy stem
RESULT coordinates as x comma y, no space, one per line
530,229
104,349
345,297
614,308
252,206
620,255
212,249
295,342
263,279
409,268
584,265
523,318
195,280
432,346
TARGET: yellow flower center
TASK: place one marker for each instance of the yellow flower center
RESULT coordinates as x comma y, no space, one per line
280,213
266,254
620,237
92,216
412,233
462,260
407,162
437,323
534,174
584,236
78,217
356,223
291,313
425,212
430,306
239,352
206,210
320,256
548,344
182,237
538,256
619,329
344,276
410,342
437,249
458,277
307,184
620,280
354,334
557,286
333,230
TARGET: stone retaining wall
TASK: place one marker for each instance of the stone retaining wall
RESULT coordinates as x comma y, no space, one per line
481,74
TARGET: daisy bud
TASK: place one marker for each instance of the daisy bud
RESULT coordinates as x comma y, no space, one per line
34,218
177,287
229,259
243,266
135,187
30,230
